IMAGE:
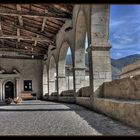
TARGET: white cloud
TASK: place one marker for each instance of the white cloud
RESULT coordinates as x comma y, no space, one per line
138,52
118,54
116,23
122,39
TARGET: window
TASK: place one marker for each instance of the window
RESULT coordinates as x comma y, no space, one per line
27,85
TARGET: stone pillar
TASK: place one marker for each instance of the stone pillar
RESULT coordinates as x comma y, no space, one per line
79,77
45,85
1,92
45,88
17,88
51,86
61,83
100,46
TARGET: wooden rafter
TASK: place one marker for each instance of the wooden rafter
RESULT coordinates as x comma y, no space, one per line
44,22
24,45
1,32
11,47
20,21
42,27
20,17
36,40
19,50
41,24
26,28
18,34
24,38
8,12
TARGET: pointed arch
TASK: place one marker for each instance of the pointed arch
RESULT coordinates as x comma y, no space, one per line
79,51
64,84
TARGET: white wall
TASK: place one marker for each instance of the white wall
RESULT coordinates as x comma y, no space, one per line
30,69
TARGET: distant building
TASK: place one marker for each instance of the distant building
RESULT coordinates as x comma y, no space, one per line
131,70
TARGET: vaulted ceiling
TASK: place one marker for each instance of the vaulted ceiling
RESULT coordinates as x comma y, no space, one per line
30,28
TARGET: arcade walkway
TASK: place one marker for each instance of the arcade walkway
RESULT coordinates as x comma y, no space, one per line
48,118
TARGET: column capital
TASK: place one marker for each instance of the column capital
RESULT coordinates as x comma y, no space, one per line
60,76
98,48
76,68
51,81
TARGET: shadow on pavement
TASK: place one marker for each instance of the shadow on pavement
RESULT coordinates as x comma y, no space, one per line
103,124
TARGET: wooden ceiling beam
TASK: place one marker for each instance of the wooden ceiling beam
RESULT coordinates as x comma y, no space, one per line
44,22
42,27
20,17
20,21
1,32
25,28
8,12
25,45
62,7
25,38
18,34
36,40
8,48
32,53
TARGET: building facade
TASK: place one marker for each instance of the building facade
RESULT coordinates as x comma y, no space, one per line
131,70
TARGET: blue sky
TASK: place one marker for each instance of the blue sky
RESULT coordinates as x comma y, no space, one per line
124,30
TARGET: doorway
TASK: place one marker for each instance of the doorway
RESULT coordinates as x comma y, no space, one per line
9,90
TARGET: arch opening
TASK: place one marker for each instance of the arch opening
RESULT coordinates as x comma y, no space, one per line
9,89
81,42
65,73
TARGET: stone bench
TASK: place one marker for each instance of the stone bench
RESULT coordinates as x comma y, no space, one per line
84,92
27,96
53,94
68,93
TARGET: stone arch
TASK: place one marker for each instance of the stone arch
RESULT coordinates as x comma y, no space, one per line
79,53
63,79
45,80
52,75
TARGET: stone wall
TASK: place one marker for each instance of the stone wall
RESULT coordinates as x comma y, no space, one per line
126,111
126,88
84,101
116,99
29,69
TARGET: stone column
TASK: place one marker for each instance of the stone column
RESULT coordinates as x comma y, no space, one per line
51,86
79,77
45,88
1,92
100,46
61,83
17,88
45,85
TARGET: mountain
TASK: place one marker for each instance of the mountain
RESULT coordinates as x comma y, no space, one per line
122,62
117,64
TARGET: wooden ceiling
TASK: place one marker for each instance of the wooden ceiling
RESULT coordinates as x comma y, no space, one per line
30,28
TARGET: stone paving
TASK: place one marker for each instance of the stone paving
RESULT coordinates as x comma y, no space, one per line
40,118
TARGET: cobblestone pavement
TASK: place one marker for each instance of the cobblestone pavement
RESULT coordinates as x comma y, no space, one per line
48,118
